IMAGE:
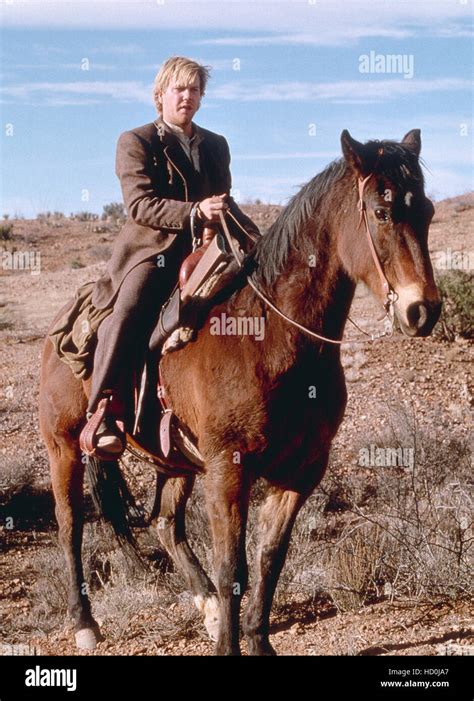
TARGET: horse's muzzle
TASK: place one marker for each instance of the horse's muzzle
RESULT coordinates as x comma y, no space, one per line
421,317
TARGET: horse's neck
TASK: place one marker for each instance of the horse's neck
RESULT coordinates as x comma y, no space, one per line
312,290
316,292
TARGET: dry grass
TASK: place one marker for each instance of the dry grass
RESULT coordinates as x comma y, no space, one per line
411,528
397,533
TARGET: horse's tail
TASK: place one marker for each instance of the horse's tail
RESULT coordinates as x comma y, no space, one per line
113,500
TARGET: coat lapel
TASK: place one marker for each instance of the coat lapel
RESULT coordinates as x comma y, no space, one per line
209,158
210,161
175,155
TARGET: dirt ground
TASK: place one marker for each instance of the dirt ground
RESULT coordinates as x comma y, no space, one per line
430,375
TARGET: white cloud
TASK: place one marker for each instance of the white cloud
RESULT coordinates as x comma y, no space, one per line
337,19
369,90
217,64
454,32
108,47
44,50
331,37
338,35
79,93
62,66
357,91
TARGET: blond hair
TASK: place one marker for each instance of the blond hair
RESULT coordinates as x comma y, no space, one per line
181,71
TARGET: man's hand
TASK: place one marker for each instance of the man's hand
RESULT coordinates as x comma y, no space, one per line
211,207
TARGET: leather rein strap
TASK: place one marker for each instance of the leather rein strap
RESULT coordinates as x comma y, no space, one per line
390,294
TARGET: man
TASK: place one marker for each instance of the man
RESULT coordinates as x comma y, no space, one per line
170,171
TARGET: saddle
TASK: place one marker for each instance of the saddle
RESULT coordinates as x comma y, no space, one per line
170,447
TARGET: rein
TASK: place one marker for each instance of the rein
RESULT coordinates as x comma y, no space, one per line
390,294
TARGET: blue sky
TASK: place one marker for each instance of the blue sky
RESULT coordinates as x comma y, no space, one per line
286,81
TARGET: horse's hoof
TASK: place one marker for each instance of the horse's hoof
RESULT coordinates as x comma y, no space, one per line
261,648
86,639
209,607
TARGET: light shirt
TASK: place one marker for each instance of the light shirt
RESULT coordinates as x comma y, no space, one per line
189,144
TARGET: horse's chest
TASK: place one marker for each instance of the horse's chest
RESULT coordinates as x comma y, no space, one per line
302,415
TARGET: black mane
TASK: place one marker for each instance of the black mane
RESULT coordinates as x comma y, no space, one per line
397,164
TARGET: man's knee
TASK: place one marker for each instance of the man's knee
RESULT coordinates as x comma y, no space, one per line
137,292
141,296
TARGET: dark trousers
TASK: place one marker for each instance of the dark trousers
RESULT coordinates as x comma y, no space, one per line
123,336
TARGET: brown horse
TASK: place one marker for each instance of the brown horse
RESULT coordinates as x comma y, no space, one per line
263,399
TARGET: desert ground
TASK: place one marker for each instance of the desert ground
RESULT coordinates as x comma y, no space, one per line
380,558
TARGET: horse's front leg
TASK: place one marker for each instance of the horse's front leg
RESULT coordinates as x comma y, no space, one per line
227,496
277,516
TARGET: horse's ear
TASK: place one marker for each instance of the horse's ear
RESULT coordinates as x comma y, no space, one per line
353,152
412,141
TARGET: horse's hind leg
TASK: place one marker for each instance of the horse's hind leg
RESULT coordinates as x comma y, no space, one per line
67,473
170,524
62,408
276,519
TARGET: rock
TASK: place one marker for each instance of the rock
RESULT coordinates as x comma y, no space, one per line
296,629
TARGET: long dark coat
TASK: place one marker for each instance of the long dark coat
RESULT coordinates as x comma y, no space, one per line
160,186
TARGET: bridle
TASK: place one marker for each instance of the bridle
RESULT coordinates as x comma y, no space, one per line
390,294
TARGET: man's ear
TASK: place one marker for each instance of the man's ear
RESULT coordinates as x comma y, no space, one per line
353,152
412,141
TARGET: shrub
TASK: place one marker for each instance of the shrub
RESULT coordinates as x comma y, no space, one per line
356,565
115,211
457,294
423,513
86,216
6,231
22,499
6,319
15,477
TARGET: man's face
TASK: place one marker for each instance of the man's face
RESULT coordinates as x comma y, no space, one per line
181,102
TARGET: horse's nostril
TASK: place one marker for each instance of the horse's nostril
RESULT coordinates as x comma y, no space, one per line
417,315
422,316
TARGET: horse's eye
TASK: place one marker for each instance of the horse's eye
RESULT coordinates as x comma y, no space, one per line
382,214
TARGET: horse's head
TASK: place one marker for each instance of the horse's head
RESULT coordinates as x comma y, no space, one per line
398,215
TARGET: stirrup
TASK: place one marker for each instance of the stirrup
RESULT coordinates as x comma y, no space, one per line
88,438
179,450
